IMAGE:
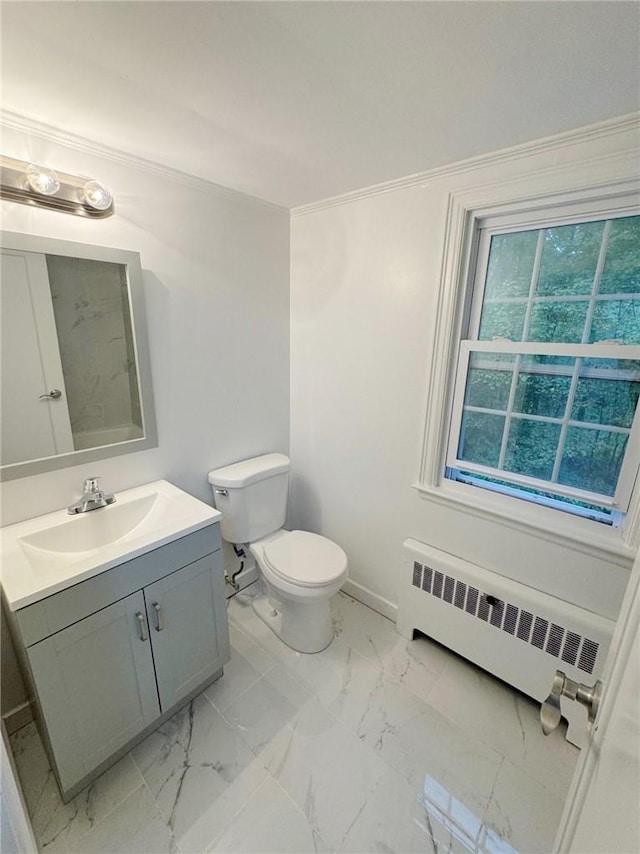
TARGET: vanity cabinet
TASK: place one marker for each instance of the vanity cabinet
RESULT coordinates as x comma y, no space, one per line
112,657
96,686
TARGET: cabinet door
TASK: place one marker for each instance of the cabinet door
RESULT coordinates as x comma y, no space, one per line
96,686
188,624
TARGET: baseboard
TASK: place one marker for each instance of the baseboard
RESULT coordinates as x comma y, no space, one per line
18,717
372,600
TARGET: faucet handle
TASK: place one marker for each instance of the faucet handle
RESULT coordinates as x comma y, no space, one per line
91,484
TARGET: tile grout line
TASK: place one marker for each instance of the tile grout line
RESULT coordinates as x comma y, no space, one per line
310,823
142,783
106,815
260,785
469,732
237,697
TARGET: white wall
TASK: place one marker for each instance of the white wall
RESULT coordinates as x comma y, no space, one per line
364,280
216,288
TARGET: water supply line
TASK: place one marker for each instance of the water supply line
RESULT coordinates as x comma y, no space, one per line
240,552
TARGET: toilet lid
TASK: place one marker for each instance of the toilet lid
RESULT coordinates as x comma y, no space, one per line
305,558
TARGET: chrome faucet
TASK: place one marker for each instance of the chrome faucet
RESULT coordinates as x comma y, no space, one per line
92,497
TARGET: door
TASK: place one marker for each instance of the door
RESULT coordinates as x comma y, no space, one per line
187,618
96,686
32,427
601,812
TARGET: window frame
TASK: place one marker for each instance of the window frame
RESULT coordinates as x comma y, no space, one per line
509,207
628,474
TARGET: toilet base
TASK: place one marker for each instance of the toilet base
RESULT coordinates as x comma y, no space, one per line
305,627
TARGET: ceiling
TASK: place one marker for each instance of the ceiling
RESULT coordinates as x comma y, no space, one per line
299,101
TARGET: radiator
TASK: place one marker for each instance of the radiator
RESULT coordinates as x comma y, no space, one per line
519,634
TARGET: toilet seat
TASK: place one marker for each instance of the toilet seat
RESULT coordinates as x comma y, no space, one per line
306,559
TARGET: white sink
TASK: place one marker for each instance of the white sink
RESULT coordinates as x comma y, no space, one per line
94,529
49,553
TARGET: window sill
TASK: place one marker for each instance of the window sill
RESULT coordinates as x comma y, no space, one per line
546,524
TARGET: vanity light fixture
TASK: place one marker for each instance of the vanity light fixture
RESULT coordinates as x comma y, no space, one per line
33,184
42,180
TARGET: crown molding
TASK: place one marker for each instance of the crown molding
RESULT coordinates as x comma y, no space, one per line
24,124
599,130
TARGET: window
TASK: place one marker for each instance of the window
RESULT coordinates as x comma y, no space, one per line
545,405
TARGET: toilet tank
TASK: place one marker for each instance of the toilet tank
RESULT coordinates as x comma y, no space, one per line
252,497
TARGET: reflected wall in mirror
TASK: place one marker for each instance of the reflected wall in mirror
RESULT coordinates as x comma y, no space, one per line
76,382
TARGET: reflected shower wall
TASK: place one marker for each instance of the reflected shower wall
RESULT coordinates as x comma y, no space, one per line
93,322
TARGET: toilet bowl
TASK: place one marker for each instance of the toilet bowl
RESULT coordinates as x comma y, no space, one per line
298,571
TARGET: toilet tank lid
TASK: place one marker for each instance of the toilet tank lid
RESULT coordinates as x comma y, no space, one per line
249,471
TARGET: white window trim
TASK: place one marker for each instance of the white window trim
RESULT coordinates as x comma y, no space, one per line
523,201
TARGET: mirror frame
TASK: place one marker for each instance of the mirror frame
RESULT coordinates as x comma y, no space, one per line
131,261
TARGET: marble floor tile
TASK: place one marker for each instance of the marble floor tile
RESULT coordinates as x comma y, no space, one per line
200,772
248,663
270,823
376,744
523,812
334,672
325,769
364,630
244,618
56,825
32,764
136,826
392,820
507,720
423,818
257,657
265,708
415,664
416,740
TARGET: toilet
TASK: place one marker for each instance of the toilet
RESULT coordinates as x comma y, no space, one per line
299,571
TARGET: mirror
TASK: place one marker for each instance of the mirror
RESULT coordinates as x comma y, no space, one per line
75,372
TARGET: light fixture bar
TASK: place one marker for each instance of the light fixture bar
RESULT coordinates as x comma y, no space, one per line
74,195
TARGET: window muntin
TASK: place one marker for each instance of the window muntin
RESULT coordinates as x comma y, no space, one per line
572,283
545,400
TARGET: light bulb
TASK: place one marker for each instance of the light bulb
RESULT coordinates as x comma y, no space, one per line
42,180
96,196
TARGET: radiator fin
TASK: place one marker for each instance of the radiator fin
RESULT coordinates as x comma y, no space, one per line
588,655
556,634
461,593
524,626
510,619
438,578
496,614
449,584
417,574
540,627
529,628
472,601
427,578
570,651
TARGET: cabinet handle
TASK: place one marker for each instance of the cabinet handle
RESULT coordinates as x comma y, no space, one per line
142,625
157,609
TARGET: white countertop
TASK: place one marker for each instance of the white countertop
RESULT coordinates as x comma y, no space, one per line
29,573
